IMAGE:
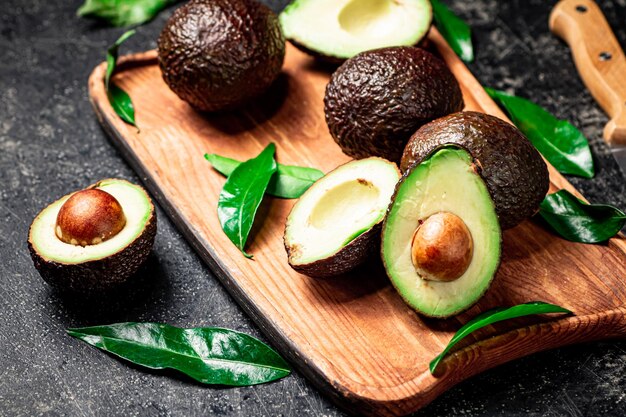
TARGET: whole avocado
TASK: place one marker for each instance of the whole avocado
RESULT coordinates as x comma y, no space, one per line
515,174
219,54
376,100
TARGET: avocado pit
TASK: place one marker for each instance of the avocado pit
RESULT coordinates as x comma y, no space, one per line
89,217
442,247
93,239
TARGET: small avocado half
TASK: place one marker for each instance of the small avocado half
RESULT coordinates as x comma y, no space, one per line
441,240
334,30
335,225
70,242
514,171
375,101
219,54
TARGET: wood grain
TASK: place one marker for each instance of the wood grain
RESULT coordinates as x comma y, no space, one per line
352,336
598,57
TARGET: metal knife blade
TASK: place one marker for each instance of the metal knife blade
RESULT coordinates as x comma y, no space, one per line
600,61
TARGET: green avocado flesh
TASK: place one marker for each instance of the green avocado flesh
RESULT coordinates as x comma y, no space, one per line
344,28
444,182
326,227
137,208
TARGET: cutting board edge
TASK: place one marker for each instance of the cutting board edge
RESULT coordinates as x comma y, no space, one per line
341,395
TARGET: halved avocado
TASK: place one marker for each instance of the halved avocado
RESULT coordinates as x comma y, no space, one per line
335,225
335,30
441,240
514,171
70,245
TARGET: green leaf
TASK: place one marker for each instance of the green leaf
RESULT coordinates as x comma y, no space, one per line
292,181
112,54
208,355
118,98
222,164
122,104
123,12
456,32
494,316
558,141
577,221
242,194
289,181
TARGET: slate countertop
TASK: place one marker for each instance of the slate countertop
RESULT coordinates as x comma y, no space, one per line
51,143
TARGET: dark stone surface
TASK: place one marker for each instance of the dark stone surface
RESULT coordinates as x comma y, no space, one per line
50,143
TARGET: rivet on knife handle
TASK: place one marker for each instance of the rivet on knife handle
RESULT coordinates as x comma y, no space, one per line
598,57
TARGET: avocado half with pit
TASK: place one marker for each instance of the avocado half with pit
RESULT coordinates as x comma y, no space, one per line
375,101
441,240
334,30
514,171
335,225
94,239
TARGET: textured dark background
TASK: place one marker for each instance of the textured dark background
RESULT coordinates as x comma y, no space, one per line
51,143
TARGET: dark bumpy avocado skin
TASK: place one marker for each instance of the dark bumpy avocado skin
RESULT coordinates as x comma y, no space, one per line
515,174
218,54
102,274
376,100
346,259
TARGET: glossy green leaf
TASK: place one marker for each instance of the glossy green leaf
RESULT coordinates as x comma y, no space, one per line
208,355
289,181
456,32
222,164
112,54
242,194
558,141
123,12
118,98
122,104
494,316
575,220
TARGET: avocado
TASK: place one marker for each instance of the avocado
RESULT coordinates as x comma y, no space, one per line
375,101
93,239
335,225
515,173
334,30
441,240
219,54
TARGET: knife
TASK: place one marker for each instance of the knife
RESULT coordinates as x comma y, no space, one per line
600,61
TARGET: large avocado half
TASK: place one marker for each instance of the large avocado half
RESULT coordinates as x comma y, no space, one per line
441,240
335,225
375,101
334,30
219,54
106,260
514,171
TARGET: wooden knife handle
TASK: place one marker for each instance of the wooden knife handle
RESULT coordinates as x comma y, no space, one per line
598,57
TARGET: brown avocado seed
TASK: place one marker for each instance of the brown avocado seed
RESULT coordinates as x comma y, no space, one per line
442,247
89,217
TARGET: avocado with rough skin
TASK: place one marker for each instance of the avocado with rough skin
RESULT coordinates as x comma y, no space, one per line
94,239
334,30
441,239
335,225
375,101
219,54
514,171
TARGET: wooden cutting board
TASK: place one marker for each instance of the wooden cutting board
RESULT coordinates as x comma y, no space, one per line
352,336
